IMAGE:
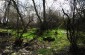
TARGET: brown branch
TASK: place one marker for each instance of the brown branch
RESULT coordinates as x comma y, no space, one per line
67,25
25,28
44,13
36,11
17,8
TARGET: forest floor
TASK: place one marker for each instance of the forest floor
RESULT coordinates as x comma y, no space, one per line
38,47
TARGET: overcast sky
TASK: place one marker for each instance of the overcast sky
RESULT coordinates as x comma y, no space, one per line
58,4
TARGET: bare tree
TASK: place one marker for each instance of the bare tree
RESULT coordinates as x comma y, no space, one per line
19,40
72,29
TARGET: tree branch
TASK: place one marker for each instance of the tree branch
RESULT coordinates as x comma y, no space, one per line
18,12
36,11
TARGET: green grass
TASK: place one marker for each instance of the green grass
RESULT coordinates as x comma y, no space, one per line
60,39
59,43
43,51
30,34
